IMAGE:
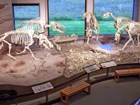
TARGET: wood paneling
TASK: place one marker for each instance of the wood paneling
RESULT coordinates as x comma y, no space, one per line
6,16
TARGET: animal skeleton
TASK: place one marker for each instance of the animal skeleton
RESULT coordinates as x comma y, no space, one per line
39,26
56,26
92,25
23,38
89,34
35,24
24,35
132,28
119,21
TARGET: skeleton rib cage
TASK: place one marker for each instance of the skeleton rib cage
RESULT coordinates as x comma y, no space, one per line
36,27
21,38
18,37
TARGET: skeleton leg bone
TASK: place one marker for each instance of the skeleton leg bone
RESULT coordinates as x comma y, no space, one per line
48,42
22,51
10,46
133,43
27,47
96,31
130,39
138,38
88,37
126,43
31,53
46,47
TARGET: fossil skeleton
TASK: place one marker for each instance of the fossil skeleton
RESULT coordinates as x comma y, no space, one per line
133,29
39,26
25,35
92,25
56,26
23,38
119,21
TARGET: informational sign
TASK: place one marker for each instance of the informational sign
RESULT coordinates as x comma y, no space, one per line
42,87
91,68
108,64
139,60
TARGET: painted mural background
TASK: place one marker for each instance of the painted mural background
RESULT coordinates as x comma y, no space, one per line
69,13
25,12
118,8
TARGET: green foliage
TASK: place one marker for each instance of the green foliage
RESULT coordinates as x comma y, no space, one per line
78,27
65,18
61,18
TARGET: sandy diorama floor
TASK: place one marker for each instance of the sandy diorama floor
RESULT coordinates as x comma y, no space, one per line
69,61
28,71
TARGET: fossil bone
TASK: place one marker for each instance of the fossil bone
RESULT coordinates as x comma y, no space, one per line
19,37
92,25
119,21
23,38
133,29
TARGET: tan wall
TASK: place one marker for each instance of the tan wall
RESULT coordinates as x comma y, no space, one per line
6,16
89,5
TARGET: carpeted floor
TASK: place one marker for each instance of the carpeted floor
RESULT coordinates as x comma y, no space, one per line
109,93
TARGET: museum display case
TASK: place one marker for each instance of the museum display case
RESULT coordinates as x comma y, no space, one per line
42,41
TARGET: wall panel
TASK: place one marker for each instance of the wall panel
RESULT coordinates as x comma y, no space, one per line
6,16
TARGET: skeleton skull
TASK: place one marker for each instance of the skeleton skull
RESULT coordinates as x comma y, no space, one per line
106,15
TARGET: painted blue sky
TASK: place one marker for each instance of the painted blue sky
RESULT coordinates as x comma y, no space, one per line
74,9
26,12
66,8
117,7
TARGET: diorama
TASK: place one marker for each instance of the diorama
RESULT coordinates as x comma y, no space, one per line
76,39
32,55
